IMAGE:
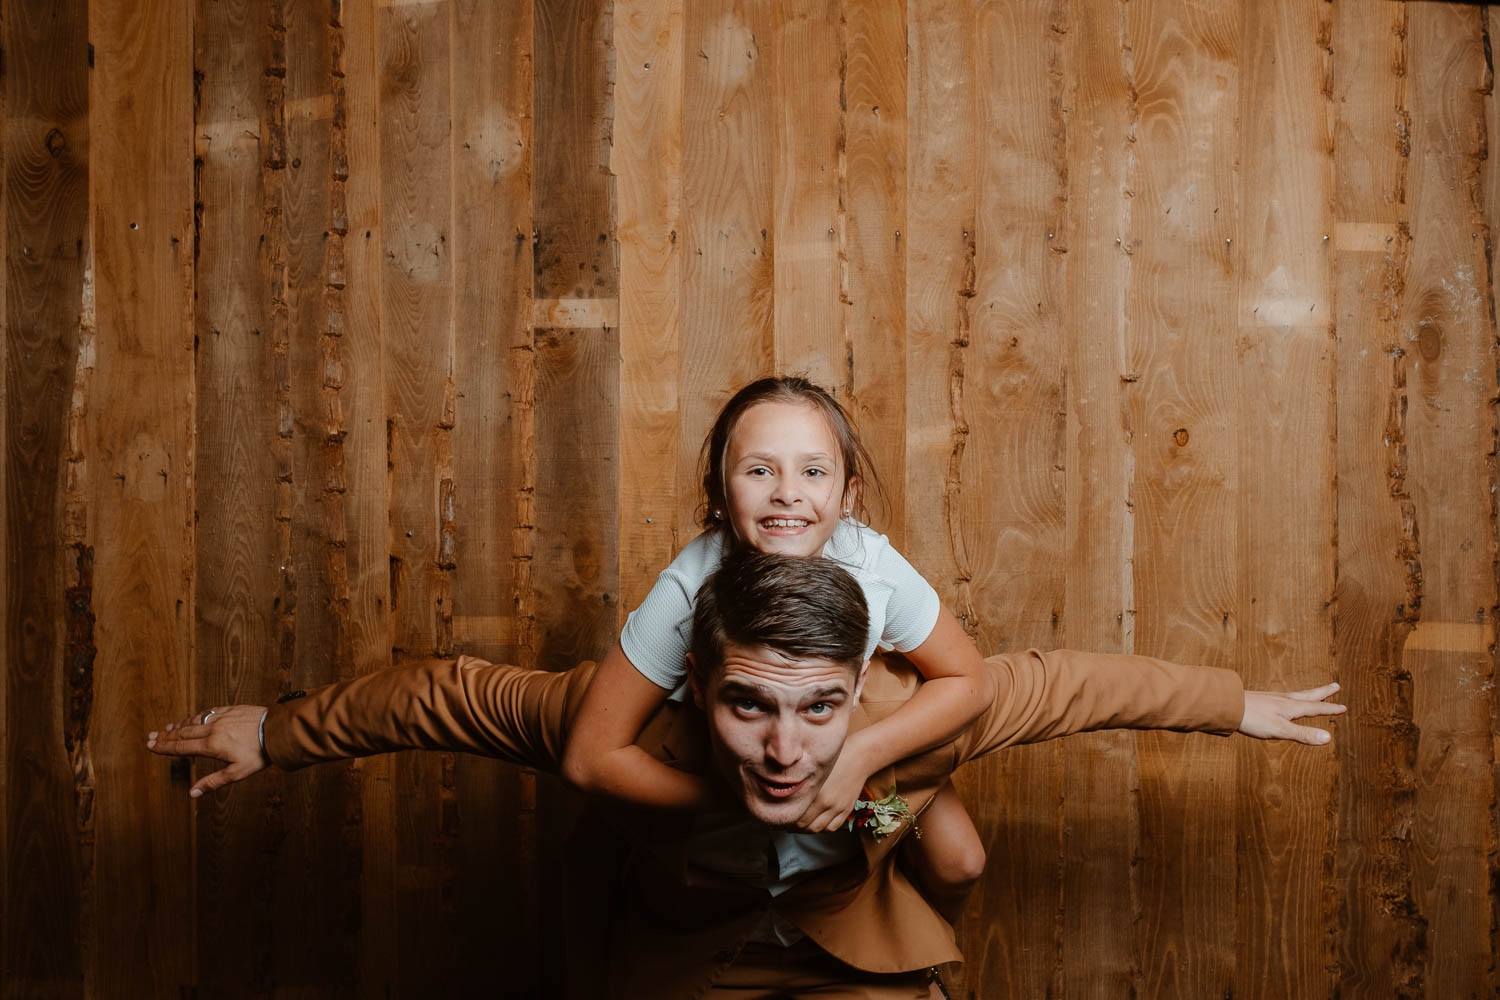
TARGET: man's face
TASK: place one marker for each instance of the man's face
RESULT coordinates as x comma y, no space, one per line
777,725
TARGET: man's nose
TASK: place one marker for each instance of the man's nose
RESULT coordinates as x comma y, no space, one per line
783,745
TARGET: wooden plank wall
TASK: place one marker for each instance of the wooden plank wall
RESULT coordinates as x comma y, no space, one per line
345,332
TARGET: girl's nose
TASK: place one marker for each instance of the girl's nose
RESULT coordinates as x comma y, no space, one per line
786,492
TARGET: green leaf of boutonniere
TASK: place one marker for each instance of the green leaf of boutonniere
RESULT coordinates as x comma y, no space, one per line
881,817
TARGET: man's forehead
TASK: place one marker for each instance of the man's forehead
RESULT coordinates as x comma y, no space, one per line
762,667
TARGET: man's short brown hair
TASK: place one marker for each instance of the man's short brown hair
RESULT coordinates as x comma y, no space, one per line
803,607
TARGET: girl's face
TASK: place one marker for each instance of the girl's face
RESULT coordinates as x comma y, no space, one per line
784,479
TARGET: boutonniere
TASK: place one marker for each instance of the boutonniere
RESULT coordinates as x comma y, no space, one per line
881,817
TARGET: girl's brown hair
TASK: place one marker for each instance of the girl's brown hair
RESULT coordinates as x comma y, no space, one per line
781,389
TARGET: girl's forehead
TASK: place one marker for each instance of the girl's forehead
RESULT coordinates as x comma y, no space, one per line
780,419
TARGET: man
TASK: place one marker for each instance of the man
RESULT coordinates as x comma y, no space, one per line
733,902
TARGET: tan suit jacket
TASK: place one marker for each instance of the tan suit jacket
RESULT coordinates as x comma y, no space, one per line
685,924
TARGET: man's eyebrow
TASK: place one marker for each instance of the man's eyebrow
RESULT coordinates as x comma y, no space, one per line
741,689
826,693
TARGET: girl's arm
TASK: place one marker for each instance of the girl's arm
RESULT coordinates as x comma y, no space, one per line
601,755
957,691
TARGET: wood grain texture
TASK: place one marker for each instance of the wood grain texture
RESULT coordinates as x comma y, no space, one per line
239,590
1447,332
370,627
1181,417
47,699
806,124
1380,935
1013,402
417,323
647,159
576,252
1100,812
1285,342
48,694
493,280
141,471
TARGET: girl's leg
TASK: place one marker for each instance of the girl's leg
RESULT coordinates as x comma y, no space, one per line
949,856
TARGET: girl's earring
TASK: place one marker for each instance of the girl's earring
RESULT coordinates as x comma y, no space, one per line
718,514
848,511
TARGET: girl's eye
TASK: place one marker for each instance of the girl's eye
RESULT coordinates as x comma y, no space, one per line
759,470
816,473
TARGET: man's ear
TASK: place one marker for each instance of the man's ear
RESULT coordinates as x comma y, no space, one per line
695,681
859,680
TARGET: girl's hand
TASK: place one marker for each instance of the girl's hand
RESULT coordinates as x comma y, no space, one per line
1269,714
231,735
835,800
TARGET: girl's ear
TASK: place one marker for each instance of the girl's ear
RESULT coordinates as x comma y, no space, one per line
851,493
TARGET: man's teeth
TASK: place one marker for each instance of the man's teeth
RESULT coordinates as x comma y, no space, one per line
784,522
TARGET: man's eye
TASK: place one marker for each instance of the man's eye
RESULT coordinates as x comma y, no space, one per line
819,708
746,706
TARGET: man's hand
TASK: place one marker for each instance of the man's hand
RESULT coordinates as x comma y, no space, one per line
231,735
1269,714
835,800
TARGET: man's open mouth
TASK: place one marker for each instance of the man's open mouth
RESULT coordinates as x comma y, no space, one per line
778,789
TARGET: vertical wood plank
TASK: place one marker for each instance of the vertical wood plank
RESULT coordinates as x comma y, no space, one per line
575,415
1100,815
1286,524
647,160
1013,401
141,458
370,623
576,254
237,538
1379,934
1449,335
494,831
869,361
1181,413
728,265
47,662
5,505
807,96
322,812
416,196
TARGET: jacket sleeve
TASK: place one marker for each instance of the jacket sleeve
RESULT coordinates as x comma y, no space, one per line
1039,696
513,713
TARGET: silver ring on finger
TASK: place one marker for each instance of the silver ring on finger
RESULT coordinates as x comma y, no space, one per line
206,716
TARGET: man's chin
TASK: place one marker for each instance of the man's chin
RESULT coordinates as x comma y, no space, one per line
773,809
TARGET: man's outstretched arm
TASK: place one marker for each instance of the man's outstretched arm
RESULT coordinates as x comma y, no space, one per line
468,705
1045,695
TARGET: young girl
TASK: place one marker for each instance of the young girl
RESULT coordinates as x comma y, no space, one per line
784,469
